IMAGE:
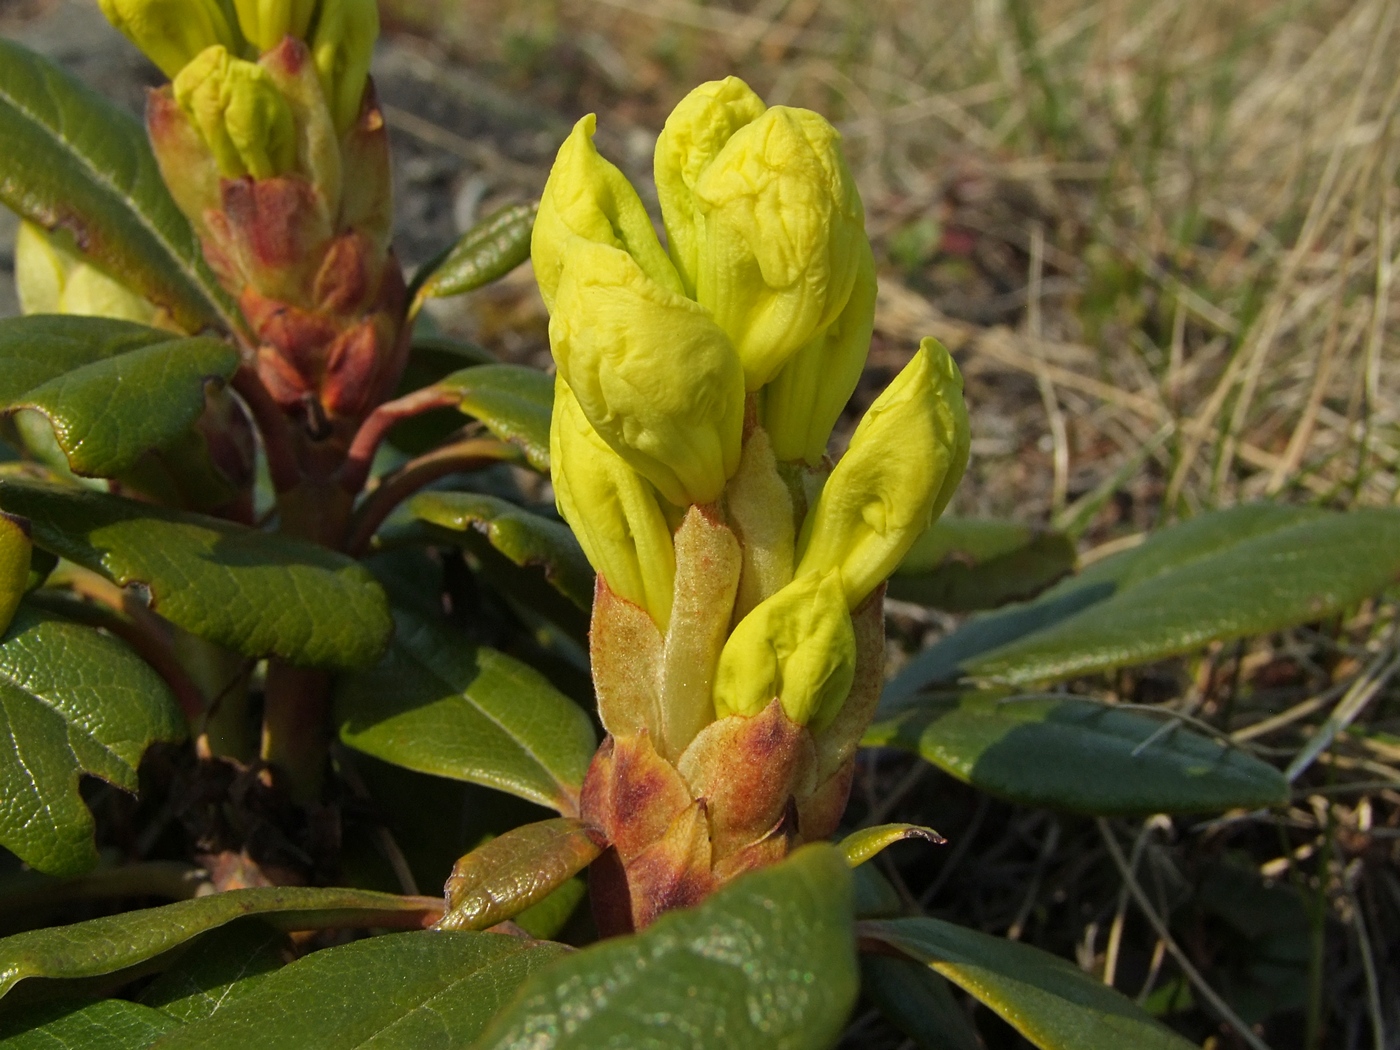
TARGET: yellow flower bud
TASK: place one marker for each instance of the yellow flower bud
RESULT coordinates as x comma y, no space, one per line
241,115
341,47
654,374
171,32
266,23
804,401
588,197
613,512
16,549
53,279
798,646
904,461
779,244
695,132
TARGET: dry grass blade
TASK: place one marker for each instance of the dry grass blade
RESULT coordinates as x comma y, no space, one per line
1365,689
1198,982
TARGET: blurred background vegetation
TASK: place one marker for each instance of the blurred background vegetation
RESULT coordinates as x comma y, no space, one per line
1161,237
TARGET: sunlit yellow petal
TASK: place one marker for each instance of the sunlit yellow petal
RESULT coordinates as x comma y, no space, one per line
612,510
655,376
904,461
798,646
588,197
804,401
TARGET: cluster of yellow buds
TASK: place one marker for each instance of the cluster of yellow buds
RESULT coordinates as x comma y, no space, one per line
271,142
737,637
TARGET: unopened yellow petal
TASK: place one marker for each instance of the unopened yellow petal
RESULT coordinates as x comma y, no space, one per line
171,32
695,132
904,461
588,197
241,115
802,404
613,511
341,46
51,278
15,551
798,646
653,373
265,23
41,270
783,225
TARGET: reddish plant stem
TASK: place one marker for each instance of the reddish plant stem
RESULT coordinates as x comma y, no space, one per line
273,426
472,454
355,471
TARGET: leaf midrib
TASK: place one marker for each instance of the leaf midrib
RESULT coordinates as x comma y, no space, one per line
102,179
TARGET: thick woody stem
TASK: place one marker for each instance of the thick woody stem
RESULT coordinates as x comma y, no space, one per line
273,426
296,728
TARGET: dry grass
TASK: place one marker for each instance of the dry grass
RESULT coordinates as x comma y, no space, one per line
1212,184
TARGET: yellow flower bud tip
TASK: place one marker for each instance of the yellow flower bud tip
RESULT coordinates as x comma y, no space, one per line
695,132
904,461
799,646
41,270
782,227
586,196
239,112
653,373
266,23
613,511
53,278
171,32
341,46
16,550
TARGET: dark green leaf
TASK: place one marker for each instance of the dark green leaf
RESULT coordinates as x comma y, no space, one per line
525,538
432,357
437,705
768,961
221,967
875,896
556,623
514,402
429,360
118,942
74,161
1225,575
256,593
410,990
1262,959
108,1024
965,564
112,390
72,701
918,1001
1079,756
504,876
489,250
1049,1001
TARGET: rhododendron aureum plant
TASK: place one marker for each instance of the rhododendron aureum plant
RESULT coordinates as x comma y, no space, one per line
737,634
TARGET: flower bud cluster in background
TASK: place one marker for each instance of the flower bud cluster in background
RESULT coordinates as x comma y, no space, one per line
271,144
